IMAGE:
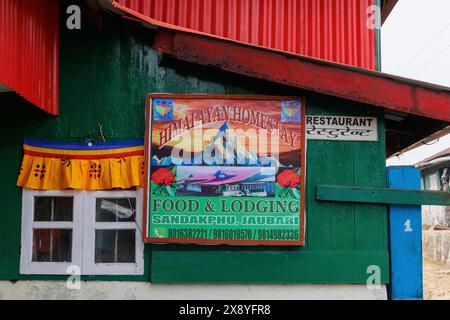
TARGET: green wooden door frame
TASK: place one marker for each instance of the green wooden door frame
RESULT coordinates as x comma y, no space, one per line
382,195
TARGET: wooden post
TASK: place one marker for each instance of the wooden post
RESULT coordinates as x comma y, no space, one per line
405,238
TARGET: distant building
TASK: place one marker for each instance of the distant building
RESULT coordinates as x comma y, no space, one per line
435,172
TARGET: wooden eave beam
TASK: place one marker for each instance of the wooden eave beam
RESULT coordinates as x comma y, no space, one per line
369,87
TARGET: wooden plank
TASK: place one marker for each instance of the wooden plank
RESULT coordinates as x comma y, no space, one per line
10,217
337,230
324,159
370,170
405,224
318,225
382,195
326,267
109,87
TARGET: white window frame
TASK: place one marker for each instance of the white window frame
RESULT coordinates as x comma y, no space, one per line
27,266
83,233
90,225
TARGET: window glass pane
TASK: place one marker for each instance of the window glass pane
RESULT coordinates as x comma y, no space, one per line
115,209
115,246
434,182
53,208
444,175
52,245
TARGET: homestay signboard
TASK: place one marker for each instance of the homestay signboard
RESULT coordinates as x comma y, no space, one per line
225,169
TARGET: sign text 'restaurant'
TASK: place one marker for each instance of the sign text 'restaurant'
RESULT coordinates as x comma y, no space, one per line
341,128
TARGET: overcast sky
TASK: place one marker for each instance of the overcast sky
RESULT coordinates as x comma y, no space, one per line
415,43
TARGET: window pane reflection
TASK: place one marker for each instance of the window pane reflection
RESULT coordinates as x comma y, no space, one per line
115,209
53,209
52,245
115,246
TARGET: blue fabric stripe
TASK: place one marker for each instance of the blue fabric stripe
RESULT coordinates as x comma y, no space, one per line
83,145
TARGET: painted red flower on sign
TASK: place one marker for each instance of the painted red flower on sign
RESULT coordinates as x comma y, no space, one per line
288,178
163,176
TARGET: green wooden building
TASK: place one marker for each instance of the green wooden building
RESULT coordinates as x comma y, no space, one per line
107,68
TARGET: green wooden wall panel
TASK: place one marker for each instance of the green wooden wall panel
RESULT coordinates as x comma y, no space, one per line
371,221
319,168
104,76
21,119
10,218
266,267
329,226
111,83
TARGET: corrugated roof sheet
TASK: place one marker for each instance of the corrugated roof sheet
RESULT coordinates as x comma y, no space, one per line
334,30
29,48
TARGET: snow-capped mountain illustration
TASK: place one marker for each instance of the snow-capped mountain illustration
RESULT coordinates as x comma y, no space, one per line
225,149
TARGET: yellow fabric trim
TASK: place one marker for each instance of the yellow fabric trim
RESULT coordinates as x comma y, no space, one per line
43,173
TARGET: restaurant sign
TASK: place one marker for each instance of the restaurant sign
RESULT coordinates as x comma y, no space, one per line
225,169
341,128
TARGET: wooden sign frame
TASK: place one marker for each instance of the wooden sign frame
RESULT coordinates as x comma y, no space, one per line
147,194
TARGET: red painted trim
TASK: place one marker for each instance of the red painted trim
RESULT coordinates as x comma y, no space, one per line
302,213
85,157
369,87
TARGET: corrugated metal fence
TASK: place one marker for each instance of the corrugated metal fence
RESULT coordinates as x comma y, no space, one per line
29,48
333,30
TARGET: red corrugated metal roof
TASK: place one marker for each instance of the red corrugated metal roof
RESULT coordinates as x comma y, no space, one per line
29,49
333,30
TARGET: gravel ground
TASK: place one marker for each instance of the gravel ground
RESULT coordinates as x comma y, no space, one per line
436,281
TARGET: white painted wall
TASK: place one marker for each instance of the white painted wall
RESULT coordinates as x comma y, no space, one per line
106,290
435,215
436,246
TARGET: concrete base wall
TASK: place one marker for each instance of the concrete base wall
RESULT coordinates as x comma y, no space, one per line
436,246
143,290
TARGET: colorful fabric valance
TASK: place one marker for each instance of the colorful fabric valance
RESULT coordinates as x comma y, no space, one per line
50,165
